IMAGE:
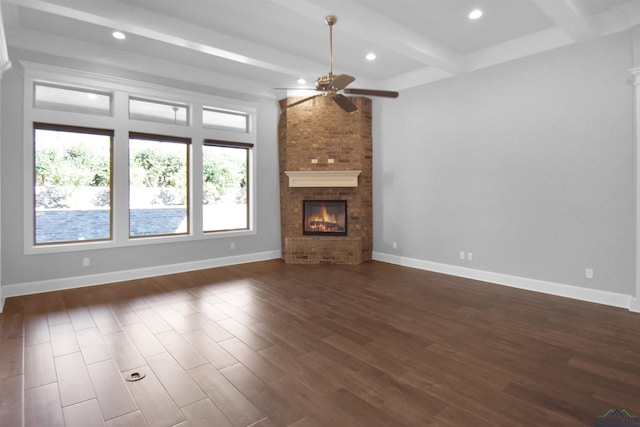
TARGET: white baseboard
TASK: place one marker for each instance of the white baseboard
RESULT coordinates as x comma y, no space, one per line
119,276
568,291
558,289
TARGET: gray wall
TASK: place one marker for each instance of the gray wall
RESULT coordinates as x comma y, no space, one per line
528,165
1,126
19,268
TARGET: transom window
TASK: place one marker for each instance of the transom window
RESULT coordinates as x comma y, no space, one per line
117,163
235,121
158,111
77,100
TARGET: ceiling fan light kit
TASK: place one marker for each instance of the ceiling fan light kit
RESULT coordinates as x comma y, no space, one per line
332,84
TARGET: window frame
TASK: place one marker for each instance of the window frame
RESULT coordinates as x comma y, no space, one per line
168,139
248,147
121,90
72,129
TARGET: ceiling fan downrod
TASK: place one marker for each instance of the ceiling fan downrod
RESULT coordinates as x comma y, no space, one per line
330,20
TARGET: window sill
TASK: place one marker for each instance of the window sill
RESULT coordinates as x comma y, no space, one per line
131,242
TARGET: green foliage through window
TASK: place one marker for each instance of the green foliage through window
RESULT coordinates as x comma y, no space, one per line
160,169
75,165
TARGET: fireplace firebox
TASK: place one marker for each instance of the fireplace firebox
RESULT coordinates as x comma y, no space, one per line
324,217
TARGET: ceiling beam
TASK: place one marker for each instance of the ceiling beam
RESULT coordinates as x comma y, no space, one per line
79,50
415,78
136,21
368,25
570,15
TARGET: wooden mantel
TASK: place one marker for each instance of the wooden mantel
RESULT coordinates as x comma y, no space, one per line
323,178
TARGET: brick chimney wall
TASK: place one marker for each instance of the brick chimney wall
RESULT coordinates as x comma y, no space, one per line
320,129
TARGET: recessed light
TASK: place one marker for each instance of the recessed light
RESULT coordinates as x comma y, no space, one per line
301,81
370,56
118,35
475,14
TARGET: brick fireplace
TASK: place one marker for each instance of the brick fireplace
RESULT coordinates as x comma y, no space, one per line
326,155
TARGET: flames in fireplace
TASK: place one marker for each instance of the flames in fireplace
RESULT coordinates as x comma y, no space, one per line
324,221
325,217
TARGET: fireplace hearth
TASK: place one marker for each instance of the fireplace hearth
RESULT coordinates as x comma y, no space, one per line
324,217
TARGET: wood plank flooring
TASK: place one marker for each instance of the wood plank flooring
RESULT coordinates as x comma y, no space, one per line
271,344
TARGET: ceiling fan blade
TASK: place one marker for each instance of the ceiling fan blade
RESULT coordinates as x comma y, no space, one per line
341,81
344,103
372,92
294,88
309,98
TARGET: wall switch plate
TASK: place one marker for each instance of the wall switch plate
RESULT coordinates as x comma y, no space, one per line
330,161
86,262
588,273
232,246
469,256
395,245
314,161
461,254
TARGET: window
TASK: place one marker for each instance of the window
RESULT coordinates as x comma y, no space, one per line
158,111
225,119
225,176
158,185
114,163
72,99
72,184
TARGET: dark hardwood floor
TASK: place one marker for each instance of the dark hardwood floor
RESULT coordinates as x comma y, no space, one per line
271,344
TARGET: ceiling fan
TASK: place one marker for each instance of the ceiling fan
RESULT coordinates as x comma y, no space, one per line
332,84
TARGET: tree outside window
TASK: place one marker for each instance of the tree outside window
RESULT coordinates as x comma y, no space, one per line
158,185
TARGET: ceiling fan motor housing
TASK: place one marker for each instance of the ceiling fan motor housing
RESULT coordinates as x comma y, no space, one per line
324,82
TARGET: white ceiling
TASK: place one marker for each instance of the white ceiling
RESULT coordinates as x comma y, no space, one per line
252,46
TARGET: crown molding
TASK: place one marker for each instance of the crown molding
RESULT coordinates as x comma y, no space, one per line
5,63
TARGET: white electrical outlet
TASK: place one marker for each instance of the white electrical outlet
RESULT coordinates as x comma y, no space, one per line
469,256
232,245
314,161
461,254
588,273
330,160
395,245
86,262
